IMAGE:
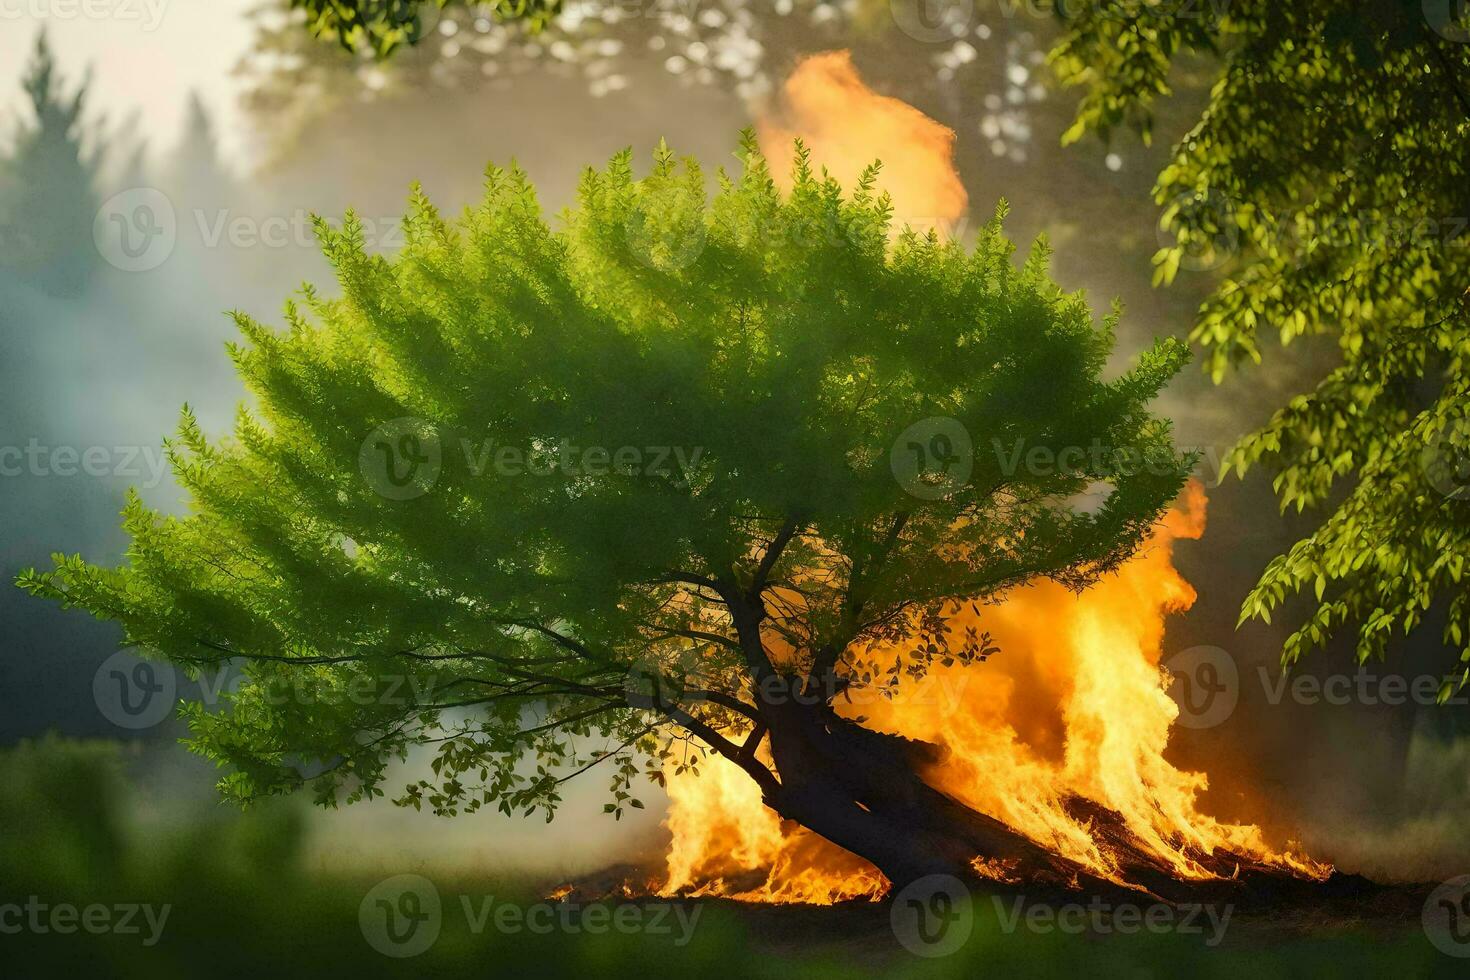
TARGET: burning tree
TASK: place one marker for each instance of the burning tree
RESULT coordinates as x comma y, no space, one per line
686,476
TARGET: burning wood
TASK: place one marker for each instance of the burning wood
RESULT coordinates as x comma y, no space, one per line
1059,739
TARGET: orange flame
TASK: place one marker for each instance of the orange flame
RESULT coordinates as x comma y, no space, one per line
1073,707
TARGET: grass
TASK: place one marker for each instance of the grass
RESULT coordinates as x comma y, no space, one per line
241,903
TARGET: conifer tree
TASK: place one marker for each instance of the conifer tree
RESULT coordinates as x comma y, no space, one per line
48,186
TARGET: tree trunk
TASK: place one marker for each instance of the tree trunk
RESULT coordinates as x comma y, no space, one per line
861,790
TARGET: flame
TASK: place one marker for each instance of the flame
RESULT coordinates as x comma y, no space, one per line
1074,707
727,842
847,126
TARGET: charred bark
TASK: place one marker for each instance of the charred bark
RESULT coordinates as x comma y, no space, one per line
862,790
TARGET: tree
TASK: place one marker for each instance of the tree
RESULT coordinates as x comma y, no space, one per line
684,474
196,171
1327,177
48,196
383,25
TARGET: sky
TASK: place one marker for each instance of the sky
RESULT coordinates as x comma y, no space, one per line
146,55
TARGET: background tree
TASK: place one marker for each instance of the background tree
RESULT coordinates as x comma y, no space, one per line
1327,177
196,173
684,474
48,195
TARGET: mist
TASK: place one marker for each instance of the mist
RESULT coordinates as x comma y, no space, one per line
102,347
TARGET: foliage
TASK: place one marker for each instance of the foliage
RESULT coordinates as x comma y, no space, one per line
1327,176
706,398
48,195
302,917
383,25
77,786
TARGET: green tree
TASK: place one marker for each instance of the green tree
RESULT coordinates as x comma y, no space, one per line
1326,178
48,186
681,474
382,25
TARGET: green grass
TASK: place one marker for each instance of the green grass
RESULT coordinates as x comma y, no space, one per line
242,904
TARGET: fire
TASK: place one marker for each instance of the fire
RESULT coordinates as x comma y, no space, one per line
847,126
1074,707
726,842
1063,730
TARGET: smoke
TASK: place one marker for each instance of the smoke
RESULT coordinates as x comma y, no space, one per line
110,368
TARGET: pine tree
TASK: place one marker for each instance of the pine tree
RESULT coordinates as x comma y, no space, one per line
48,194
196,178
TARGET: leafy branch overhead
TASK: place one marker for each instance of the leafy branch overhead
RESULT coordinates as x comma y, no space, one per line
382,25
1327,180
364,532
